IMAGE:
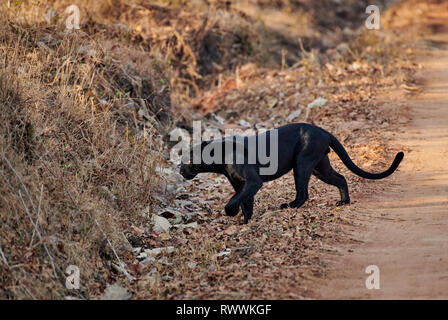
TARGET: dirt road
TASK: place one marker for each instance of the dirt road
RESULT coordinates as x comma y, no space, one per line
404,231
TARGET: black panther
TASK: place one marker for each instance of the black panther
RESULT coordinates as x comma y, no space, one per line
301,147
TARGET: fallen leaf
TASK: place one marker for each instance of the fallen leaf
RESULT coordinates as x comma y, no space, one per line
161,224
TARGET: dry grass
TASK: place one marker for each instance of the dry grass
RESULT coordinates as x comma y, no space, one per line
71,149
189,40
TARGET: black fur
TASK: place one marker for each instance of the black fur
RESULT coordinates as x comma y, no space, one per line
301,147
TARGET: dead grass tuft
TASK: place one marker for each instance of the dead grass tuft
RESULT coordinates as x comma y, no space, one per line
78,145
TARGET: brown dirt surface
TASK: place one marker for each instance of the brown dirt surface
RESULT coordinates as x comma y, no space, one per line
403,229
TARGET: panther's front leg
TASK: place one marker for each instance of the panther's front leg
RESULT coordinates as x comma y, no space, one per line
231,208
247,205
245,194
248,209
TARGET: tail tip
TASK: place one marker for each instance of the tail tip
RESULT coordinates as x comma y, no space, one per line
399,156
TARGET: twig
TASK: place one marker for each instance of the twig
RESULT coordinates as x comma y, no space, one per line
301,46
39,235
22,286
283,59
126,273
38,212
237,75
3,256
27,290
20,179
7,181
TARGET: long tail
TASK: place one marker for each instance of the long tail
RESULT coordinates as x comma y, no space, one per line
343,155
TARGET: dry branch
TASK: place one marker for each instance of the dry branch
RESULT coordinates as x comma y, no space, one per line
39,234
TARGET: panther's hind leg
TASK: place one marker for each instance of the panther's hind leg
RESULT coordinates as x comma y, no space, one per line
303,168
327,174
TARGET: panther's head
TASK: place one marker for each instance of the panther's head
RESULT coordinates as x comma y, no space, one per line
188,169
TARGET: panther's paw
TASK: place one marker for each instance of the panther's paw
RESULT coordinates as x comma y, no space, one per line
231,210
284,206
297,203
342,202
